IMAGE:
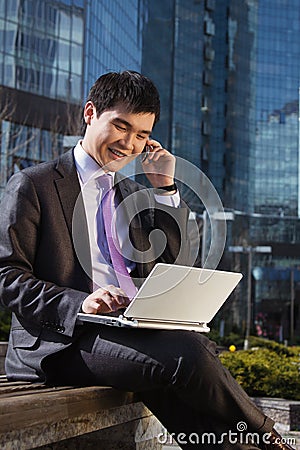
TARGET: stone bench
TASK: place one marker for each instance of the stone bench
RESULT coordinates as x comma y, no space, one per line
33,415
286,413
3,349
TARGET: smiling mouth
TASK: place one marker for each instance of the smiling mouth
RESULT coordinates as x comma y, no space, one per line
116,152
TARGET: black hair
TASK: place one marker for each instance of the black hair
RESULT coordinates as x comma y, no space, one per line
135,91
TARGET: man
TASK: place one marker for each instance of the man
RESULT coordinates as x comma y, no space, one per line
56,260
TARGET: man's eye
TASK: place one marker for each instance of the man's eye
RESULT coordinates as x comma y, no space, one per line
118,127
139,136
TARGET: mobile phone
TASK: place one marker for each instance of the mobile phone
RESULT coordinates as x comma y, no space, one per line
147,149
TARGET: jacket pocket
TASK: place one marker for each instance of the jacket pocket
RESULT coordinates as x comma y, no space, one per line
22,338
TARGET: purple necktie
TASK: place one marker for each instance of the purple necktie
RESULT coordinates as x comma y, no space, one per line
108,209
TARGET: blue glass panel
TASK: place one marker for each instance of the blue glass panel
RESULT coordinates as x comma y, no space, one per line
76,59
78,3
63,84
76,87
46,146
3,8
9,71
77,30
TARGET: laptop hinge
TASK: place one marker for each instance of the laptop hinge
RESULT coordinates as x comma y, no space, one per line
179,322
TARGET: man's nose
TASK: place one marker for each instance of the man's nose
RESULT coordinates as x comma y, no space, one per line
127,142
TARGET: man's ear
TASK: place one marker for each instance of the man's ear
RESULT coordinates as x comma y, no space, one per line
88,112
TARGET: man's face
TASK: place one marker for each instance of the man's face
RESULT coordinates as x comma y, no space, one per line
116,136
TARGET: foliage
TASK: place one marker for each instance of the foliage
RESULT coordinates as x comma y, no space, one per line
269,370
227,340
5,319
254,341
280,349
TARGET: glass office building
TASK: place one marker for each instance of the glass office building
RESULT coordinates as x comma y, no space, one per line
41,66
51,53
172,57
233,101
256,71
256,135
113,35
228,74
276,171
177,54
42,49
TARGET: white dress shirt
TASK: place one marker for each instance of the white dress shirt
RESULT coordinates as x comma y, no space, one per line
88,170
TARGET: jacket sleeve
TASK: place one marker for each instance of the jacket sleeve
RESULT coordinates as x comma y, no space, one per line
38,302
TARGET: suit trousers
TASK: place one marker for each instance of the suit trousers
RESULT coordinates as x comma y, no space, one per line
177,374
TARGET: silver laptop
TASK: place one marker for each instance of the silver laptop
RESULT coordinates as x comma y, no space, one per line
174,297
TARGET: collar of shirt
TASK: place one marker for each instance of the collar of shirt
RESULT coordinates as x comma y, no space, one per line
86,166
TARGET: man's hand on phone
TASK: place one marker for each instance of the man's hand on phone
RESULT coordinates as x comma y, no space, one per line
159,165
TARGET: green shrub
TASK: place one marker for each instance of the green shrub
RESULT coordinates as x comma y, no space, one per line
227,340
232,338
266,372
280,349
254,341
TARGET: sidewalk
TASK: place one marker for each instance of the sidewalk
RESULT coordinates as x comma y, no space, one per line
295,435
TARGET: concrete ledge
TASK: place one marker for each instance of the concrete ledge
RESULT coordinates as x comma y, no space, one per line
128,428
33,415
286,413
3,349
139,434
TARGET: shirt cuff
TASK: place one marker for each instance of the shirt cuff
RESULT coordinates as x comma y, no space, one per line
168,200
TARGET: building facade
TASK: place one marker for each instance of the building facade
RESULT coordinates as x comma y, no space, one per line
260,150
228,75
177,52
113,37
51,53
41,66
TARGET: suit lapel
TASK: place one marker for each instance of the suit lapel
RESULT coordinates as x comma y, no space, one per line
67,186
69,193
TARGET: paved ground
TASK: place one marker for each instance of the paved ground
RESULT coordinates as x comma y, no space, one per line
295,436
291,435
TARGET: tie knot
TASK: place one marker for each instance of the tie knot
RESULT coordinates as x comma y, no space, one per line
105,182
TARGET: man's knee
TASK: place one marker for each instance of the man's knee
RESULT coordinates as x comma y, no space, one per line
196,357
196,344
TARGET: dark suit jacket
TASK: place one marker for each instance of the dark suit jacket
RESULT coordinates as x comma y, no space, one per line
42,280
